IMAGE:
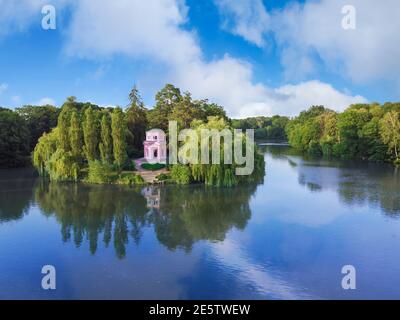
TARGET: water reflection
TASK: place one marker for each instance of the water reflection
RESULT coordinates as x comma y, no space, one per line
180,215
16,188
357,183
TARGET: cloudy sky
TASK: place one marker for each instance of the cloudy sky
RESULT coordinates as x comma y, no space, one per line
254,57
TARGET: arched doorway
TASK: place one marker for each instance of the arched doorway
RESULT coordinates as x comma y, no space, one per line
155,153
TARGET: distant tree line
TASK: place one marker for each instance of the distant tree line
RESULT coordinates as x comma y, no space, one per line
265,128
362,131
20,131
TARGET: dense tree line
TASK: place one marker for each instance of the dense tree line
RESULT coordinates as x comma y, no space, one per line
69,138
20,131
362,131
266,128
96,144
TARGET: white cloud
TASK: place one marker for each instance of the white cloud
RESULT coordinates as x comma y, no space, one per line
45,101
369,52
312,32
154,29
3,87
248,19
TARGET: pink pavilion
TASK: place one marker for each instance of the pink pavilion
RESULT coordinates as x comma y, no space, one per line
155,146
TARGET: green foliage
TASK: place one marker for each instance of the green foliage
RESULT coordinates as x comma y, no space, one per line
90,134
136,116
100,173
106,144
73,146
63,129
45,148
130,179
166,99
39,119
185,111
390,132
181,174
75,135
129,165
163,177
14,139
218,174
118,128
63,166
364,131
266,128
153,166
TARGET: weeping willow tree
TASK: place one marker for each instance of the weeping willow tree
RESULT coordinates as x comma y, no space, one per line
216,171
45,148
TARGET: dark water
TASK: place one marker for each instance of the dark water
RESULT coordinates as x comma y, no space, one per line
285,238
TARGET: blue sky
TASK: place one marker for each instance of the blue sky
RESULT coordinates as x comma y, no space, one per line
253,57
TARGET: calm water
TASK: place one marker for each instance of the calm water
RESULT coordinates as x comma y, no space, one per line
285,238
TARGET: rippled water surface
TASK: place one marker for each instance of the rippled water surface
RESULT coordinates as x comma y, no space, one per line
285,238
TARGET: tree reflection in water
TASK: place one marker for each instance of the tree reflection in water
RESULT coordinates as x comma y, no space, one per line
180,215
16,187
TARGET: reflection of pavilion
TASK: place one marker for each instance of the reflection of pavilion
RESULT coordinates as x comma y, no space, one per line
152,195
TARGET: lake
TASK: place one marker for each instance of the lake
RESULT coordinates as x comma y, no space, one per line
285,238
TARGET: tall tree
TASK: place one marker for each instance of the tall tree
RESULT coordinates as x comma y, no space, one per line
75,135
166,99
137,122
63,129
106,139
185,111
118,127
390,131
90,134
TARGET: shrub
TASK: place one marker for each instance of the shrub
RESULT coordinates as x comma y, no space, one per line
163,177
153,166
129,165
100,173
130,179
181,174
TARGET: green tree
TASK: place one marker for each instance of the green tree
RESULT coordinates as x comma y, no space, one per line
390,131
14,139
185,111
44,149
208,109
64,121
75,135
39,119
90,134
106,153
118,127
136,116
166,99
